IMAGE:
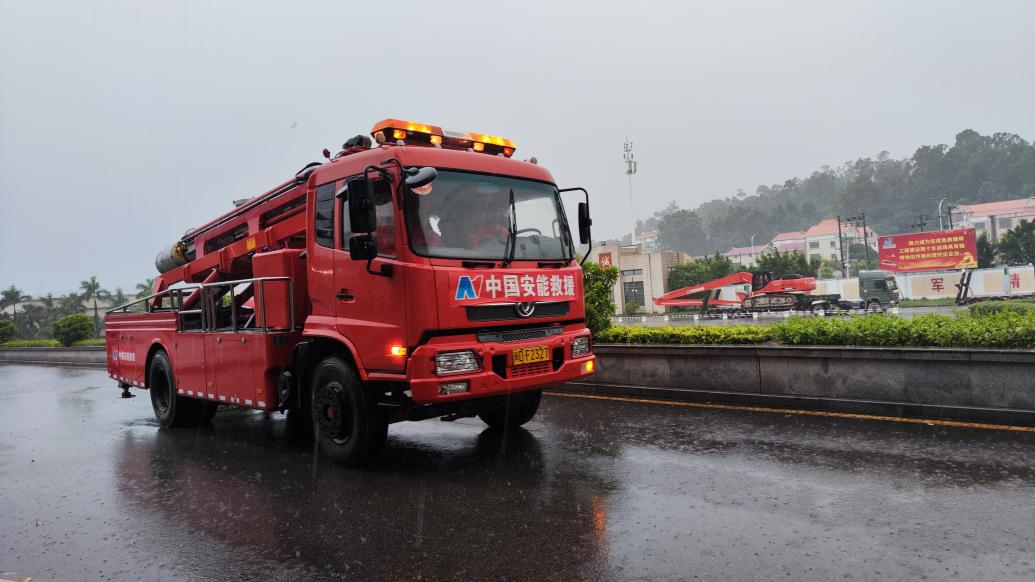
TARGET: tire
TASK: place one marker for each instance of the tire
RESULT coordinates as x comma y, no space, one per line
512,415
348,426
170,409
874,306
819,310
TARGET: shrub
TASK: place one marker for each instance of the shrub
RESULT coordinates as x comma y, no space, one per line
73,328
598,284
7,330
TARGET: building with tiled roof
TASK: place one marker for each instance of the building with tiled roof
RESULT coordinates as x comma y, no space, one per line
994,218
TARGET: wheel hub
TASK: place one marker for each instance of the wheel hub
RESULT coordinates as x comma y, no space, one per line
333,413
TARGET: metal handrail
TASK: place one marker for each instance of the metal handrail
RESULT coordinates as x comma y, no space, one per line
179,292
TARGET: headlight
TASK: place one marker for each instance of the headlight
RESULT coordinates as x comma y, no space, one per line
580,346
455,362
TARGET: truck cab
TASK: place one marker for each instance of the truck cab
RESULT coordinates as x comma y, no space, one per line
878,290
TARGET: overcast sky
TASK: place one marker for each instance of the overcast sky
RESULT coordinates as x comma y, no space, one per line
123,124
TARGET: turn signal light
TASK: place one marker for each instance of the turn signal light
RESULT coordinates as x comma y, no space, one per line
587,367
397,351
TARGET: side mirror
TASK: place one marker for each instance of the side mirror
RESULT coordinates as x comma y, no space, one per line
362,208
584,223
417,177
362,247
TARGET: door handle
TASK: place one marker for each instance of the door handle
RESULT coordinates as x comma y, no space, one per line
219,340
344,295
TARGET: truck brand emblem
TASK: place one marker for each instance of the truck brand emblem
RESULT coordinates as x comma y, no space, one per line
525,309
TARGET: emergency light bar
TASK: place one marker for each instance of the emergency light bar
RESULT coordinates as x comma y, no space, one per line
410,132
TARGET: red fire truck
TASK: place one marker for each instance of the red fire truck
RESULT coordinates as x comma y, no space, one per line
421,274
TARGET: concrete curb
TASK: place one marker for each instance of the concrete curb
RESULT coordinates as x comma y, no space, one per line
85,357
974,385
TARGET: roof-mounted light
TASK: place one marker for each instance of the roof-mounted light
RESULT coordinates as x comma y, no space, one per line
408,131
411,132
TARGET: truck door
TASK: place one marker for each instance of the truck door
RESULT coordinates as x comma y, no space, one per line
229,351
370,309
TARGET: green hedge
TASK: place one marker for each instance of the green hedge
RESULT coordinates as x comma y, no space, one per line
1001,329
1014,305
998,330
692,334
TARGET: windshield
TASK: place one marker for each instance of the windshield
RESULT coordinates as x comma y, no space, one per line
469,216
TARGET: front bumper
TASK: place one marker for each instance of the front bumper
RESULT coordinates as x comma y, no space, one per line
497,375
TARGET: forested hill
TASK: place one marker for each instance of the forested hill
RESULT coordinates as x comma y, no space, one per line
892,193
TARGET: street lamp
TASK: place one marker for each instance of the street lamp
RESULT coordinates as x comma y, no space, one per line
940,202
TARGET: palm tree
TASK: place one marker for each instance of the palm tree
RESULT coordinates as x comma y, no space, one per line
12,296
118,297
70,303
33,317
92,291
144,288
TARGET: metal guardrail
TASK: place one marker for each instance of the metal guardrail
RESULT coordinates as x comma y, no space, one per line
734,316
176,298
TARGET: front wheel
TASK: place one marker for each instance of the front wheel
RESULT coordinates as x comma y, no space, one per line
512,415
819,310
875,306
348,426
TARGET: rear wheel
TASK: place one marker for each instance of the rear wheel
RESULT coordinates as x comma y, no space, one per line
513,415
170,409
875,306
348,425
819,309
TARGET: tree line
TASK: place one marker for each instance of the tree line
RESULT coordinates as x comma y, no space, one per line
34,318
895,194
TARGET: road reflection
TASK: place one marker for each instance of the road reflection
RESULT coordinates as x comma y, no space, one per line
468,506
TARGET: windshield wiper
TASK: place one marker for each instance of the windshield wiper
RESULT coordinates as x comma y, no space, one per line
511,233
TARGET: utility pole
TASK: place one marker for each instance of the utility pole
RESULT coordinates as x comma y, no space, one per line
630,169
854,221
948,213
841,249
921,222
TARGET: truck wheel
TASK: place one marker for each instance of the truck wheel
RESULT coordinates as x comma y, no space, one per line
170,409
348,427
819,310
512,415
875,306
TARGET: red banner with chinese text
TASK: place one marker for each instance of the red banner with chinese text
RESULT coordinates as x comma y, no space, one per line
940,250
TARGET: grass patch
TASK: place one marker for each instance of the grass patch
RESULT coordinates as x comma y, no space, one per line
33,343
946,302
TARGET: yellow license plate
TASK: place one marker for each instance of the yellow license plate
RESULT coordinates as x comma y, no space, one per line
531,355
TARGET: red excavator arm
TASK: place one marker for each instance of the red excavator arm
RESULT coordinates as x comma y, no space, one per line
681,297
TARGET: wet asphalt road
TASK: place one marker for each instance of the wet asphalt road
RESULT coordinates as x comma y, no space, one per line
90,489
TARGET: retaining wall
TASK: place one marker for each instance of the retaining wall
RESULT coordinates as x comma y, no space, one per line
88,357
979,385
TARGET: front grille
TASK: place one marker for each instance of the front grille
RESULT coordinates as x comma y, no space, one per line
529,370
519,335
506,311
